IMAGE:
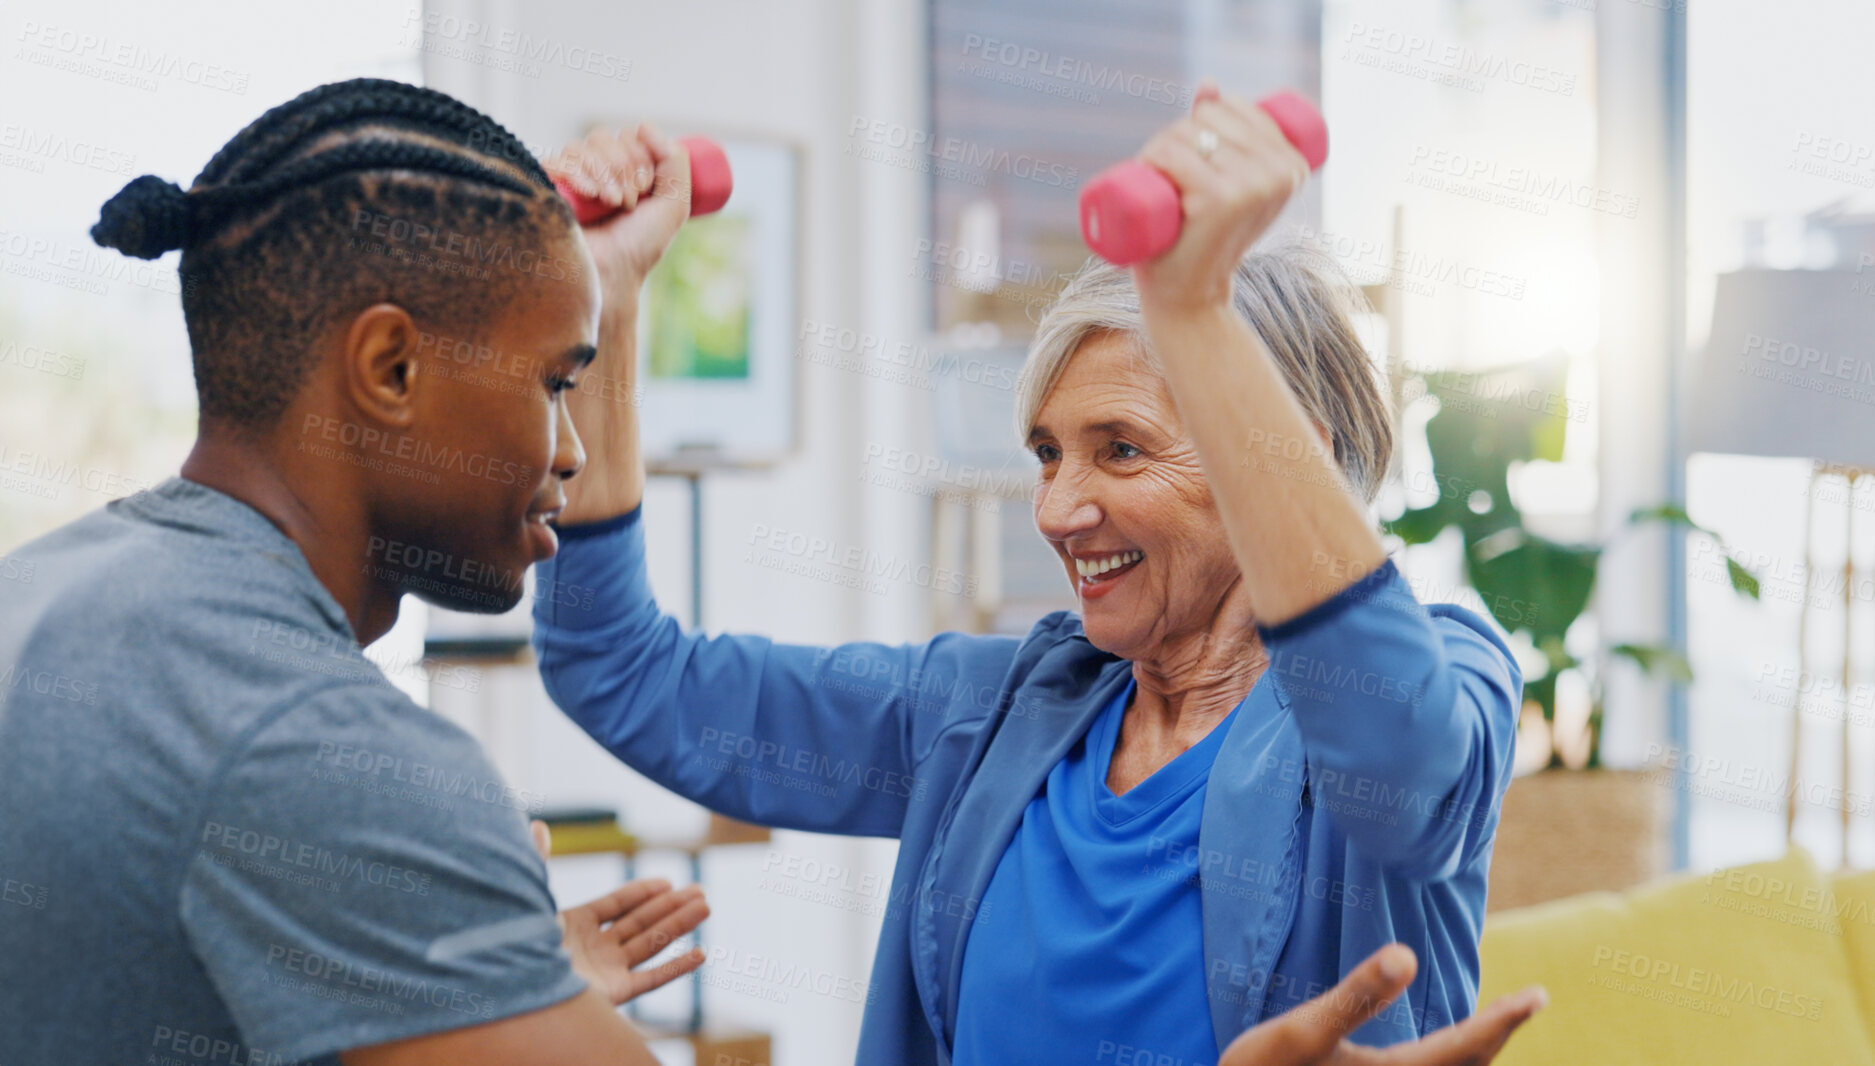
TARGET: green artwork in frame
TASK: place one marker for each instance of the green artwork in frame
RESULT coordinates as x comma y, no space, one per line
697,302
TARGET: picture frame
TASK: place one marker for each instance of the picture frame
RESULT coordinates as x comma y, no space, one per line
717,383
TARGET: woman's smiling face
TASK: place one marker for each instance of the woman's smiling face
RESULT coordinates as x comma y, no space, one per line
1124,504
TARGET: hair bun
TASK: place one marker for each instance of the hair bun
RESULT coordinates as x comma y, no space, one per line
146,218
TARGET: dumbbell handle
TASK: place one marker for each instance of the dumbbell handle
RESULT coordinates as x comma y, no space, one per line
1130,211
710,184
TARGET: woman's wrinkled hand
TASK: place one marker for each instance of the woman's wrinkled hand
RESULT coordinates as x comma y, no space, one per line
611,936
1229,197
647,176
1315,1033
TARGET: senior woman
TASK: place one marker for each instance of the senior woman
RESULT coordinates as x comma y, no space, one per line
1250,760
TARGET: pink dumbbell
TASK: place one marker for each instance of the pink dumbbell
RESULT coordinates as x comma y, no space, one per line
710,184
1130,211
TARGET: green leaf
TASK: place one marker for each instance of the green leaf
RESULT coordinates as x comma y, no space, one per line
1515,413
1673,514
1533,584
1657,658
1558,656
1744,582
1542,692
1665,512
1421,524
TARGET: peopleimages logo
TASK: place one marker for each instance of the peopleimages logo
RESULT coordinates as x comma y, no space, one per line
1698,981
896,136
507,50
18,677
1521,188
321,864
398,236
810,763
179,1047
1812,360
919,362
42,360
448,781
1454,58
37,144
337,978
862,564
129,59
1416,271
84,267
1069,73
426,457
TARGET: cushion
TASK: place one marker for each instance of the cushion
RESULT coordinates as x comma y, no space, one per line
1853,906
1744,965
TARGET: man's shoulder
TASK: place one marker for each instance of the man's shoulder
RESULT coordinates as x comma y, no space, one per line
209,593
360,723
130,565
198,642
371,747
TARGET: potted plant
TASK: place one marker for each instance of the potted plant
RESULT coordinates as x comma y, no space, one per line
1574,826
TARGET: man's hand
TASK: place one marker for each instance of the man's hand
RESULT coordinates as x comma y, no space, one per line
1315,1034
621,930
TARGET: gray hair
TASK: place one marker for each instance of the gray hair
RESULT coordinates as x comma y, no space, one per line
1301,305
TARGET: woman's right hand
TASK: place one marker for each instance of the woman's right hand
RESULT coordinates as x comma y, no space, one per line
1315,1034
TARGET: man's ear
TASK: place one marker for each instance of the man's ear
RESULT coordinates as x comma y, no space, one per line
381,365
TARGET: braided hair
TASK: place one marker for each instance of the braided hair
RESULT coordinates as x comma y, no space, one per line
354,193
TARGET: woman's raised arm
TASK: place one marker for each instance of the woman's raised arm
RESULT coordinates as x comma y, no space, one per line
1408,718
825,739
1294,524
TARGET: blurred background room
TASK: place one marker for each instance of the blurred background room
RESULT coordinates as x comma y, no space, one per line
1621,262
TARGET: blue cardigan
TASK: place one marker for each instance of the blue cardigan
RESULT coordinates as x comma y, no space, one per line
1360,814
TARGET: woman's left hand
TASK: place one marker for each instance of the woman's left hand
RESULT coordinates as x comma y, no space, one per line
646,175
621,930
1315,1033
1230,197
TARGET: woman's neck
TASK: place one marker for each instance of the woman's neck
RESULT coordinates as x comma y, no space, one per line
1181,695
1193,683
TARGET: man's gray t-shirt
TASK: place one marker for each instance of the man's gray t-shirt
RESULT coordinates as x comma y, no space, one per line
227,838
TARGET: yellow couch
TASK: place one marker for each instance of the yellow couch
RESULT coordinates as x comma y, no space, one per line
1761,964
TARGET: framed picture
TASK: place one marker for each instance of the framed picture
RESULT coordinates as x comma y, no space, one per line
716,325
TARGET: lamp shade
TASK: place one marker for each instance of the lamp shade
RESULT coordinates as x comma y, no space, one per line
1789,370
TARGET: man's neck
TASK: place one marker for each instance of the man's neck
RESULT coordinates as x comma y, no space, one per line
330,527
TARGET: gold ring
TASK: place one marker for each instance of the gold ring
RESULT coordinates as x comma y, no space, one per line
1206,143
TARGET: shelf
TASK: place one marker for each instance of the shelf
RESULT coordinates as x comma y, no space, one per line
607,838
485,650
588,838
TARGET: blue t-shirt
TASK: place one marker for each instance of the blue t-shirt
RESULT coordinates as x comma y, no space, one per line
228,839
1096,953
